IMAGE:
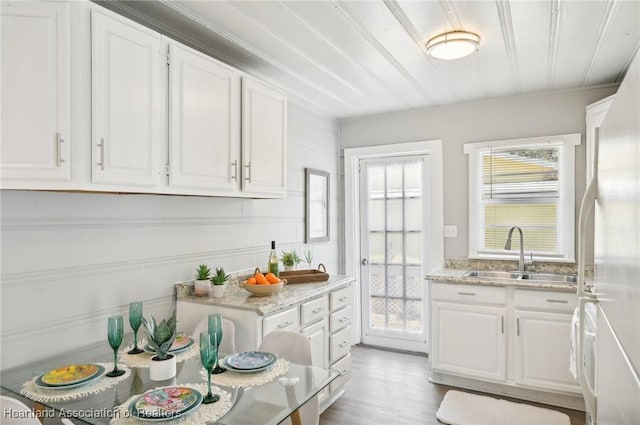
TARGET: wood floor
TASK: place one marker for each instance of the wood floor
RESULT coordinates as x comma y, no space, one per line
390,388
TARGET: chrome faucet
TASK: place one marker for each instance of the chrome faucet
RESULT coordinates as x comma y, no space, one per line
508,246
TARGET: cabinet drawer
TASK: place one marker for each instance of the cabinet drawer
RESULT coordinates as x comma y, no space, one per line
344,367
339,319
315,309
468,293
340,298
287,319
339,344
545,300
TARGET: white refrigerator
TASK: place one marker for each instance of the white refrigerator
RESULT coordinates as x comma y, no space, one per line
609,364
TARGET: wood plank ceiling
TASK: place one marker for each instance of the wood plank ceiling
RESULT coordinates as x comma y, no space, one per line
353,58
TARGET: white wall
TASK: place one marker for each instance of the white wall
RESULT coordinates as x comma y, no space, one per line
69,260
508,118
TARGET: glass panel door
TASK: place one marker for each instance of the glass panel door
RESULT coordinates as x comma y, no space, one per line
392,248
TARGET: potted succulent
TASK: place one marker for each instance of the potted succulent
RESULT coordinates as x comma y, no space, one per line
308,257
161,336
219,281
202,285
290,260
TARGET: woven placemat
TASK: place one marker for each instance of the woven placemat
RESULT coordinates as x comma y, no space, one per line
36,393
246,380
204,413
144,359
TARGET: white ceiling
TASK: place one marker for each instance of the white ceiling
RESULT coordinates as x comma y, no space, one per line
353,58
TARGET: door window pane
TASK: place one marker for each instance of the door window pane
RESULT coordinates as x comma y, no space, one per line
395,251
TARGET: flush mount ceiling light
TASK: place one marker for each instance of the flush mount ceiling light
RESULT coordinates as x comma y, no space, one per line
453,45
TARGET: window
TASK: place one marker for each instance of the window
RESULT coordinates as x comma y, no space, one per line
527,183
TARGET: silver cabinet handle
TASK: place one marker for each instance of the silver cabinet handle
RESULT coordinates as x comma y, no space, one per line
318,310
343,299
502,324
101,146
59,142
285,324
518,326
234,164
344,344
344,319
248,167
557,301
473,294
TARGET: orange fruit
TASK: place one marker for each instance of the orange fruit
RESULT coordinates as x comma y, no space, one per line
260,279
276,280
251,281
272,278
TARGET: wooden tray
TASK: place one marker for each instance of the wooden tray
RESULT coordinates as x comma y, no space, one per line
304,276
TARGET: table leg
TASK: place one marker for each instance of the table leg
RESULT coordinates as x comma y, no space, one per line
296,419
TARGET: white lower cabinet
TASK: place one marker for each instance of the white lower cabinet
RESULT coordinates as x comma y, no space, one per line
317,334
503,337
469,340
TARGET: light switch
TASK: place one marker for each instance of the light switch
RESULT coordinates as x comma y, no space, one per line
450,231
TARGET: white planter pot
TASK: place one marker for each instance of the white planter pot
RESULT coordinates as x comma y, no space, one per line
202,288
289,268
161,370
218,290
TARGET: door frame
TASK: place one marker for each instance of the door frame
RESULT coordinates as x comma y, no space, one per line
352,157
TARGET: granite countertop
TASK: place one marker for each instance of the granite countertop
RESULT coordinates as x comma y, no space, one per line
291,294
447,275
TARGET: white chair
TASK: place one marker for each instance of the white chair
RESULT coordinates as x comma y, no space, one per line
296,348
228,344
9,408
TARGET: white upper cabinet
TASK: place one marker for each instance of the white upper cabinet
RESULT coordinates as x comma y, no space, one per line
35,93
264,139
126,97
204,122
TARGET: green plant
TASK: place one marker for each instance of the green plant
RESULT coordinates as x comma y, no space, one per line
161,335
290,258
203,272
220,277
308,256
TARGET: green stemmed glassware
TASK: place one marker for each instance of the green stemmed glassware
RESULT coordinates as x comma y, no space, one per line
209,357
115,331
135,320
215,327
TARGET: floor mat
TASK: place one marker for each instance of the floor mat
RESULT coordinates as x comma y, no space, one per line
459,408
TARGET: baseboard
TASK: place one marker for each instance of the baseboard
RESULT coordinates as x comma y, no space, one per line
574,402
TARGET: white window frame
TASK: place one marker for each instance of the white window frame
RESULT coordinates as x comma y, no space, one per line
566,202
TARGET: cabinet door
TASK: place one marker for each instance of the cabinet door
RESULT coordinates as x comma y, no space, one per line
264,139
318,335
542,351
125,101
204,122
469,340
35,80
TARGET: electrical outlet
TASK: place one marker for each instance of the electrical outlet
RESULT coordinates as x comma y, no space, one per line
450,231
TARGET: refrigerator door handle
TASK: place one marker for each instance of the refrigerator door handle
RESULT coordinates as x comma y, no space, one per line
588,202
587,392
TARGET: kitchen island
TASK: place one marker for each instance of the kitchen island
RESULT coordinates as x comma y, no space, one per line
320,310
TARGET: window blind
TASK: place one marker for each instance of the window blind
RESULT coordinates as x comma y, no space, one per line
520,187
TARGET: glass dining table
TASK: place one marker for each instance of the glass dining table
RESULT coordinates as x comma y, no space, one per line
266,404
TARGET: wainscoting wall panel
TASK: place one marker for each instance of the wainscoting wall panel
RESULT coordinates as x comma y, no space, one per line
69,260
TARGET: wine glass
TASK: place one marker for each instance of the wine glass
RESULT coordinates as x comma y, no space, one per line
215,327
209,357
135,320
115,330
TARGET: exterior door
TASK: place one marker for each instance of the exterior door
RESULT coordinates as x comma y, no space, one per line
393,247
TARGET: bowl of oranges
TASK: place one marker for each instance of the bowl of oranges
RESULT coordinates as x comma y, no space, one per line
265,284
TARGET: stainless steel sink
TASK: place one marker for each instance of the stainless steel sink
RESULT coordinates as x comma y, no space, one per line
548,277
541,277
493,274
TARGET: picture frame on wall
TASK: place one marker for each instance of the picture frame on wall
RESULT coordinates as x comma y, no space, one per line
316,205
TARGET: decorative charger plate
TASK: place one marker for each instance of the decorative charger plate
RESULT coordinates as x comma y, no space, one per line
70,376
251,360
224,364
181,343
165,403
